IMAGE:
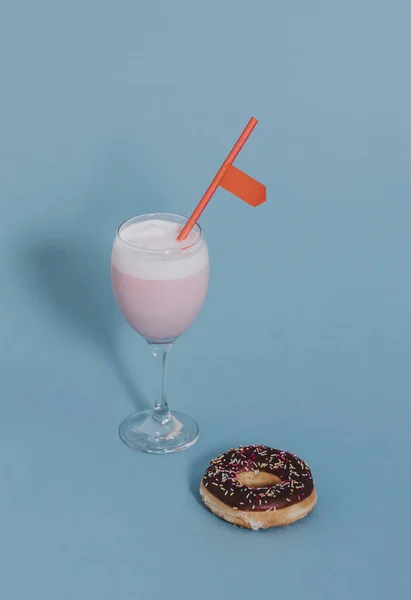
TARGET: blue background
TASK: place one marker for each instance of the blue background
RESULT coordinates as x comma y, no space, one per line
115,108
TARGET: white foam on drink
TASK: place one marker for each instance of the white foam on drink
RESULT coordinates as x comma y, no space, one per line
157,235
150,250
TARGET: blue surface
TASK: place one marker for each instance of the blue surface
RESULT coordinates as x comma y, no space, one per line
110,109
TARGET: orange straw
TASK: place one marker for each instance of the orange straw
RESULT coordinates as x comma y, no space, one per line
217,179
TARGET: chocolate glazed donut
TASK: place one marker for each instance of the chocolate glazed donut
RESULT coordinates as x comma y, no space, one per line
258,487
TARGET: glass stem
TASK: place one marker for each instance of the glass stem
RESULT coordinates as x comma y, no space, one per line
160,353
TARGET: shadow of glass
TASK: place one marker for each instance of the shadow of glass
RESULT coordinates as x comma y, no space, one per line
73,278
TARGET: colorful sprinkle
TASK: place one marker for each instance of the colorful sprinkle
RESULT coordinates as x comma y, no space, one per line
296,480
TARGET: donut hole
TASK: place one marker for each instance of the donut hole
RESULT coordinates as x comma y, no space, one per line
257,479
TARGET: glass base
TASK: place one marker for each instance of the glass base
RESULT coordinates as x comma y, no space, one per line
146,432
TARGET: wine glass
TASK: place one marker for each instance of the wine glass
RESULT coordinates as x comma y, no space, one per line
160,286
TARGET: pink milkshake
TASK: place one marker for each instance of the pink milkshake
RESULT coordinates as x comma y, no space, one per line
159,284
160,271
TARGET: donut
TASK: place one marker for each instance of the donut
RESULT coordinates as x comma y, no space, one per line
257,487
